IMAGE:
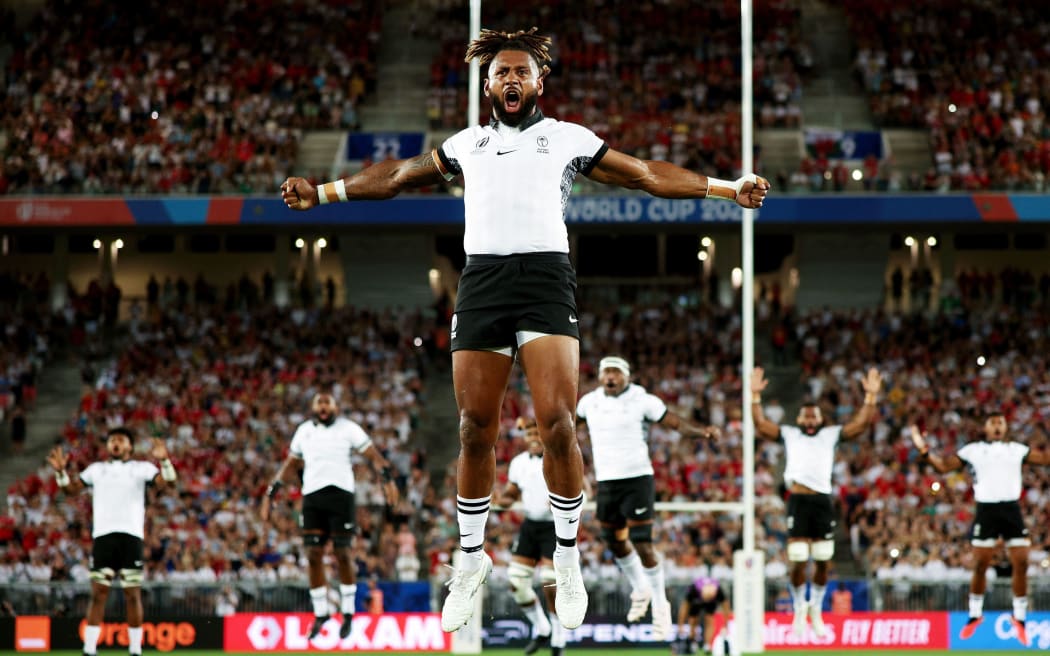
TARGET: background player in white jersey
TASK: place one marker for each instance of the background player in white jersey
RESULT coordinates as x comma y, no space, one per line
118,519
617,415
517,291
809,455
322,446
997,487
535,542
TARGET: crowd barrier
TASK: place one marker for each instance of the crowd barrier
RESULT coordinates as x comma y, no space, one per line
421,632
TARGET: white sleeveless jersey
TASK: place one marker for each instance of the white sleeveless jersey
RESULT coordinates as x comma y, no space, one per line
517,182
810,459
325,452
619,429
118,495
996,469
526,472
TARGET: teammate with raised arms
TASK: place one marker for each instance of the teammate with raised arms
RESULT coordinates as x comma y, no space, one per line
809,453
118,519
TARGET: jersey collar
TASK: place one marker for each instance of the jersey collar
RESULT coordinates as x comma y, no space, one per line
532,120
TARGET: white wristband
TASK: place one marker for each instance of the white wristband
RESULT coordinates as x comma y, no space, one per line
167,470
728,190
62,478
338,188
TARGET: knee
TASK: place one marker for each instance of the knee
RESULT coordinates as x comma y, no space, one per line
314,555
477,432
558,430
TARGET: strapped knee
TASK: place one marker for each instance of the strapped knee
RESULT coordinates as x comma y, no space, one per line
520,577
131,578
609,535
798,552
640,533
103,576
823,550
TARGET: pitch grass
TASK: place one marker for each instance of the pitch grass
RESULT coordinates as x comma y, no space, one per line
583,651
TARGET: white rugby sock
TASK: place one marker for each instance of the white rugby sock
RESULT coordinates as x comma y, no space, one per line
319,599
472,516
135,640
976,605
631,566
1021,608
91,634
347,596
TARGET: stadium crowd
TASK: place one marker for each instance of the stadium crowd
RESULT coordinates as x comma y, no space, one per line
194,101
973,73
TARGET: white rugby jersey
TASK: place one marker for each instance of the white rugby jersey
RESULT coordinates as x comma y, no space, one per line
517,182
996,469
619,428
526,472
118,495
810,459
325,452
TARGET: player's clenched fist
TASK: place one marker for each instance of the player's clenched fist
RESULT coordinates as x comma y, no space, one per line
298,194
753,190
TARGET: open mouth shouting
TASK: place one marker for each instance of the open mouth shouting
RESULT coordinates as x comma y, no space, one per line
512,101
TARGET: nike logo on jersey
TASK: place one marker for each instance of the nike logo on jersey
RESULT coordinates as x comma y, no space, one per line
465,535
573,319
639,511
506,152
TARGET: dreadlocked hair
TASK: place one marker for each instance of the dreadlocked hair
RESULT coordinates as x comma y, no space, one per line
491,42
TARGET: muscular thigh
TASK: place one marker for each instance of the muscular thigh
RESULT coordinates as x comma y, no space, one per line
480,381
552,367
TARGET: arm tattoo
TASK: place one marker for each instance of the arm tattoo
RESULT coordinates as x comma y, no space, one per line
422,163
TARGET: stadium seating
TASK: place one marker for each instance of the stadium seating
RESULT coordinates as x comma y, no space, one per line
192,102
973,73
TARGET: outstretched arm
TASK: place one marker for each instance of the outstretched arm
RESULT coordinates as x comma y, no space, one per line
764,428
862,420
941,463
378,182
688,428
666,180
